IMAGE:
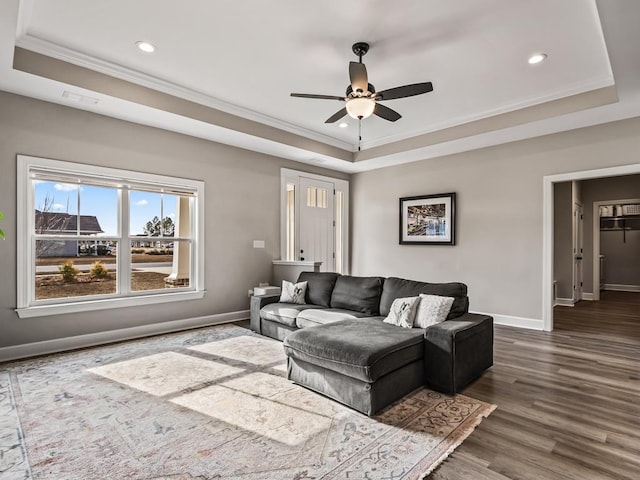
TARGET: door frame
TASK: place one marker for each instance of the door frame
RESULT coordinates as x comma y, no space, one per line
547,227
288,175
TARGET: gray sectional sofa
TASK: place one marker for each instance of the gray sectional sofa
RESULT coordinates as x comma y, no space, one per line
338,345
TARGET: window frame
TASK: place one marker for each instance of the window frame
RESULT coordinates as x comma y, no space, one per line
112,176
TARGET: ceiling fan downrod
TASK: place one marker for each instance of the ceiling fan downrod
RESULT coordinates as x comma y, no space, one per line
360,49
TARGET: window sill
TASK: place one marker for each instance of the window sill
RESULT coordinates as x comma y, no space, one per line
88,306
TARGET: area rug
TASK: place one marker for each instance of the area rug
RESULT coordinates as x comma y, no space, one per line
208,404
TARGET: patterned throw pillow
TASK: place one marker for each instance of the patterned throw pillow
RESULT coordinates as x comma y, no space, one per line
403,312
432,309
293,292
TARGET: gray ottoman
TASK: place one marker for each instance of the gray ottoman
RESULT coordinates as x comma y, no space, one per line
364,363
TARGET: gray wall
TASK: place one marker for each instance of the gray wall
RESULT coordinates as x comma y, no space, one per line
500,229
242,204
622,264
563,239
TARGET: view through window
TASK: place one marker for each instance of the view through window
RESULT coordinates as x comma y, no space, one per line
96,236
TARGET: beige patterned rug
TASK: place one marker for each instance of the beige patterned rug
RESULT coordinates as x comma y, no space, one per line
208,404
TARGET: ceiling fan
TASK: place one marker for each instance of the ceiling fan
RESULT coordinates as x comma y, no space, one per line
361,97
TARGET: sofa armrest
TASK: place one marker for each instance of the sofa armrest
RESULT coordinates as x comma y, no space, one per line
257,302
457,351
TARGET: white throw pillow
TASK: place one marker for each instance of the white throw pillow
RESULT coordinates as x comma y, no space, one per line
432,309
403,312
293,292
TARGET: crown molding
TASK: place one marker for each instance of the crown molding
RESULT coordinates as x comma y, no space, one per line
576,89
59,52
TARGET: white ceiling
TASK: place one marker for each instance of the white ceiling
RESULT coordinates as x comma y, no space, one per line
245,58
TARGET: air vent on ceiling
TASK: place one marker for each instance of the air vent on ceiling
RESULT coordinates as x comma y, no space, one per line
76,97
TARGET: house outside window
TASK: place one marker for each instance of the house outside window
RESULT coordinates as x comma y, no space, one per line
58,223
94,237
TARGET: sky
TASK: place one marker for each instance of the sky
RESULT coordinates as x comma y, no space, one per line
102,202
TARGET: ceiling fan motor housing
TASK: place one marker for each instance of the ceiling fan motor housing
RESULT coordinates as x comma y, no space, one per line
370,89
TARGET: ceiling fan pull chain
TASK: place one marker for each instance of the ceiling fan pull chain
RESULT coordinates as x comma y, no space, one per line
359,132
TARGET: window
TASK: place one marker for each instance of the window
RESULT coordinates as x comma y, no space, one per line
316,197
95,237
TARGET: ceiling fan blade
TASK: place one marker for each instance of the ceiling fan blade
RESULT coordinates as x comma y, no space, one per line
336,116
404,91
358,77
386,113
321,97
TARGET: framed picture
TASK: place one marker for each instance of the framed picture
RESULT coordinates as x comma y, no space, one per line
428,220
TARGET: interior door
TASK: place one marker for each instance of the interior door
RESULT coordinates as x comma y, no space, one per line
317,223
578,235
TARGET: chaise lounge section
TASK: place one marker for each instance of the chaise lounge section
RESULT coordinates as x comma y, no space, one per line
338,345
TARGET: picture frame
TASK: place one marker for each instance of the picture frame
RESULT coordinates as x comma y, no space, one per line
428,220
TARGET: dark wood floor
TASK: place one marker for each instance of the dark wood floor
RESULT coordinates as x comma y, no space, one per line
568,401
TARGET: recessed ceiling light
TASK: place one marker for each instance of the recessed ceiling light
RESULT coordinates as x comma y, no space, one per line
537,58
343,125
146,47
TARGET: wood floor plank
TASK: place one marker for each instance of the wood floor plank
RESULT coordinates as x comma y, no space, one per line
568,400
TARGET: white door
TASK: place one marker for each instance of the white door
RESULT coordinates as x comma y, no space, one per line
577,251
317,223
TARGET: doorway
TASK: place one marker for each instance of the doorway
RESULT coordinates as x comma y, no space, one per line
549,182
616,236
316,223
314,216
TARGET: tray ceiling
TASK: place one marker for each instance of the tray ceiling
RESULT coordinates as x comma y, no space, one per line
240,61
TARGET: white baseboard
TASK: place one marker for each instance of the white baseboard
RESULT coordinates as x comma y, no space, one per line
563,302
81,341
588,296
621,288
520,322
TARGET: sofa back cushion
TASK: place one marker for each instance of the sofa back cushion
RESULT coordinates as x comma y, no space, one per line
319,287
399,287
361,294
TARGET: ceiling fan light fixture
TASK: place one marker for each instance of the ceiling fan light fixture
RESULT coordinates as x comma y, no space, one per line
360,107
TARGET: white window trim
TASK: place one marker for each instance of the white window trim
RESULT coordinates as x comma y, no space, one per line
288,175
25,264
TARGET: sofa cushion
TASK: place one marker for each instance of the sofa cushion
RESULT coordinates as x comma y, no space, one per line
319,287
284,313
399,287
363,348
361,294
313,317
